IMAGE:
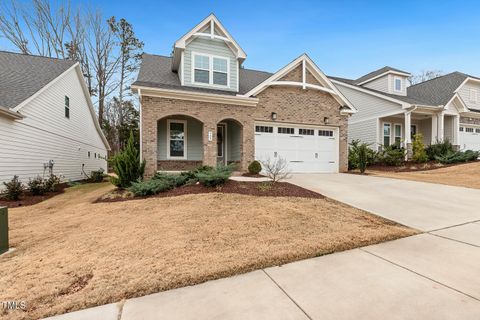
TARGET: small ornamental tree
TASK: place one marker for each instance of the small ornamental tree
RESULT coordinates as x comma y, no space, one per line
126,164
418,149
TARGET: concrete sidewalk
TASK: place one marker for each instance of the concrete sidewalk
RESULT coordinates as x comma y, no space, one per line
428,276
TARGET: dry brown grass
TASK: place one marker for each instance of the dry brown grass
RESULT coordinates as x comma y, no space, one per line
462,175
72,254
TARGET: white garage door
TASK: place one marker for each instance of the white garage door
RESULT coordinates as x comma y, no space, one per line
306,148
469,138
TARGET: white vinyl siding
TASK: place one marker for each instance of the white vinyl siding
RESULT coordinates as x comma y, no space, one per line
465,92
216,48
380,84
368,106
46,134
365,131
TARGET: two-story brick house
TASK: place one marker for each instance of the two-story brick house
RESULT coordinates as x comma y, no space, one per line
201,106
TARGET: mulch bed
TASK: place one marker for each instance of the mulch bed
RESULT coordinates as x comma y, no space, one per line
261,189
27,199
411,167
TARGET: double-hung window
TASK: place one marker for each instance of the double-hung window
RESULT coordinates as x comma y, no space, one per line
398,134
210,70
202,69
398,85
387,132
67,107
177,143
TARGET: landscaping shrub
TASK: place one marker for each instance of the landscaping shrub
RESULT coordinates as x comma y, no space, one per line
175,180
418,147
14,189
97,175
192,174
255,167
276,169
36,186
392,156
52,183
150,187
439,149
215,177
459,156
369,155
126,164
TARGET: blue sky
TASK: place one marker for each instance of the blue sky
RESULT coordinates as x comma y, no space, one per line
344,38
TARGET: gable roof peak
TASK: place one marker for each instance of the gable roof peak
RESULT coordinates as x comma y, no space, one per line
378,73
216,31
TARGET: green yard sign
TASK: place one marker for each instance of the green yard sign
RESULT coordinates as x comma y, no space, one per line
3,229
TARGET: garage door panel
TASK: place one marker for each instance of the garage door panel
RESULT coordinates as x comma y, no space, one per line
470,138
305,152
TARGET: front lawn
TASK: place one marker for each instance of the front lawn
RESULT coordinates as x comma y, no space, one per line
460,175
73,253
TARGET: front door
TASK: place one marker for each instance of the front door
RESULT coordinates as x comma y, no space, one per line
221,135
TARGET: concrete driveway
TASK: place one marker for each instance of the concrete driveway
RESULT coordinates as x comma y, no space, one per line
424,206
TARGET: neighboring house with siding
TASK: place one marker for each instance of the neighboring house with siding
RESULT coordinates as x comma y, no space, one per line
46,116
201,106
390,112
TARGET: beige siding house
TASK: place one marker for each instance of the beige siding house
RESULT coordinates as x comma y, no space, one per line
47,119
390,112
201,106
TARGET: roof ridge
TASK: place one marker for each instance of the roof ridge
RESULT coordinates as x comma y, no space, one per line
436,78
157,55
37,56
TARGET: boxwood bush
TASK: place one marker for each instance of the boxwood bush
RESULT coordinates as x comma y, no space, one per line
255,167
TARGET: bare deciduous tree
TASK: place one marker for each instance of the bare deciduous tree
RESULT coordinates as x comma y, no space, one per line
276,169
424,75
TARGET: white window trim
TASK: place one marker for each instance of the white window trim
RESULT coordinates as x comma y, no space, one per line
184,139
210,70
473,95
383,134
395,78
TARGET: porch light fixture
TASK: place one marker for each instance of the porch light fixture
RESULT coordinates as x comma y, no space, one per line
326,120
274,116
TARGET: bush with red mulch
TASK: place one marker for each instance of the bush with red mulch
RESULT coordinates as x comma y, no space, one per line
28,199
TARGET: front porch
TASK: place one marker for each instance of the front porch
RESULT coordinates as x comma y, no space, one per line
400,129
185,143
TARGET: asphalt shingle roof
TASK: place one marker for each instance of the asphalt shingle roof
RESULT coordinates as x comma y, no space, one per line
407,99
23,75
378,72
437,91
156,71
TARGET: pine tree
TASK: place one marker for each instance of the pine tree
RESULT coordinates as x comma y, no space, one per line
126,164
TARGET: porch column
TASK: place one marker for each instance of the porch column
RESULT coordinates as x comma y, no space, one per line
456,130
408,134
210,143
434,128
441,126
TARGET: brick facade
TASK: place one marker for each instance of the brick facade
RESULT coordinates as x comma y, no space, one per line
474,121
292,105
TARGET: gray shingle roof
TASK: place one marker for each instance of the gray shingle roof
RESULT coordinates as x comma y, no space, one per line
22,75
156,71
407,99
437,91
377,73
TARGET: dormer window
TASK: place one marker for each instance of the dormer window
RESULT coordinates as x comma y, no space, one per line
210,70
398,84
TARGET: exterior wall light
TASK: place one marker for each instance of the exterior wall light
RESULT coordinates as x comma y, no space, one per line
326,120
274,116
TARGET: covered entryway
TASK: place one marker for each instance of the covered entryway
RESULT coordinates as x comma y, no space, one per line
306,148
469,138
229,142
